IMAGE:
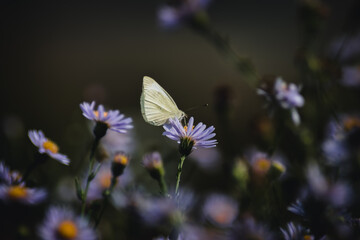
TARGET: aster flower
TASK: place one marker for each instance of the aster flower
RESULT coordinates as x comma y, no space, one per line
9,177
47,146
154,165
61,223
285,95
296,232
21,194
111,119
172,15
220,210
297,208
190,137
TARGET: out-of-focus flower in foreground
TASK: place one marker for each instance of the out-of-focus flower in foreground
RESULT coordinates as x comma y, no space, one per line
9,177
190,137
47,146
220,210
61,223
19,193
111,119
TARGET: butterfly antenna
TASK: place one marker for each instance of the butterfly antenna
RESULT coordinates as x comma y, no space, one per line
196,107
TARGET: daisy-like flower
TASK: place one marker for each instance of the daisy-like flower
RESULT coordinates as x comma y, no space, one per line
63,224
111,119
47,146
21,194
287,96
154,165
190,137
9,177
220,210
296,232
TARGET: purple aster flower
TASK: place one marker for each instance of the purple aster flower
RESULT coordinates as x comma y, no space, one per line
61,223
9,177
297,208
154,165
47,146
190,137
21,194
172,15
296,232
288,97
221,210
111,119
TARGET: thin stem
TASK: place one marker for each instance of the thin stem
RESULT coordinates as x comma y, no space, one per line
163,186
40,158
178,175
107,194
90,176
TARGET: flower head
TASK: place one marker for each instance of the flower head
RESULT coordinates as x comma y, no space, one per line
19,193
9,177
120,161
190,137
220,210
296,232
154,165
172,15
63,224
111,119
47,146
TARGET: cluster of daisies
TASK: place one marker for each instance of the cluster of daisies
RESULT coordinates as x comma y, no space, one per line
61,222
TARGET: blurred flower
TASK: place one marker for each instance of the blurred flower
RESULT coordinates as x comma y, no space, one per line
114,142
351,76
241,172
21,194
220,210
208,159
61,223
249,229
47,146
296,232
111,119
285,95
342,137
337,194
9,177
297,208
190,137
102,181
154,165
172,15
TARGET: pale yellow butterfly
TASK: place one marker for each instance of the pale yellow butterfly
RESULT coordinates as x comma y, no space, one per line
157,106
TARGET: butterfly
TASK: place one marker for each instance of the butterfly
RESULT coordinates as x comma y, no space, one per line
157,106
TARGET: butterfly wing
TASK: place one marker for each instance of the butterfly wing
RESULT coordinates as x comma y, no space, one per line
157,106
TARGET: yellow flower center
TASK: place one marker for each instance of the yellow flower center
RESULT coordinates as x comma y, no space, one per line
97,114
105,179
51,146
121,159
67,230
308,237
262,165
186,128
351,123
17,192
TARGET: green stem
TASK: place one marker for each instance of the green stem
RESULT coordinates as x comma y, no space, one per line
178,175
163,186
90,176
107,194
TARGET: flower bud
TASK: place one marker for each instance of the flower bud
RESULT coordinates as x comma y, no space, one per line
119,163
153,163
